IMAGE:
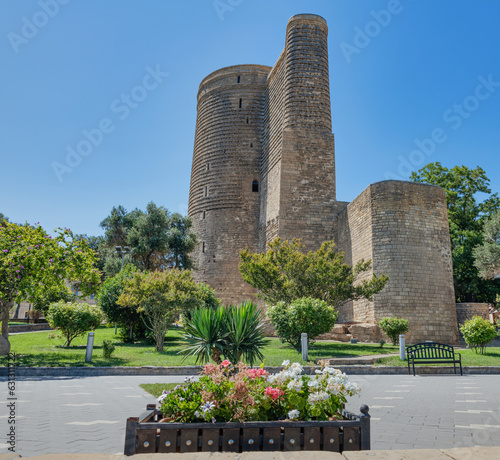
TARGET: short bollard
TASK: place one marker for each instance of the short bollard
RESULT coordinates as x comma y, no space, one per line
303,338
90,346
402,349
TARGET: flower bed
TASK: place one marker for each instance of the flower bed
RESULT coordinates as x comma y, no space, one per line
235,409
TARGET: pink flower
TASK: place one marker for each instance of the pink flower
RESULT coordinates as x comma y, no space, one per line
226,363
275,393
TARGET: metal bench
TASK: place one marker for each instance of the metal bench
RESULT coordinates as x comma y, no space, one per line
430,352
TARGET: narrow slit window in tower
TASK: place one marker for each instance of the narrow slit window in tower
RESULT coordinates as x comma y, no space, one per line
203,247
239,78
247,121
241,101
255,186
208,166
251,144
206,191
204,214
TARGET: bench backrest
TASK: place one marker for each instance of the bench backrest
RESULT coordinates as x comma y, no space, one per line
430,351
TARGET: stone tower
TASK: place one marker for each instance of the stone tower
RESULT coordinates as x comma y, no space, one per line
264,166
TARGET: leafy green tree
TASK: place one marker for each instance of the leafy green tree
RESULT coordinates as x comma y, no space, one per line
74,319
3,220
312,316
285,274
126,316
159,240
161,296
466,215
487,255
478,332
31,262
393,327
42,299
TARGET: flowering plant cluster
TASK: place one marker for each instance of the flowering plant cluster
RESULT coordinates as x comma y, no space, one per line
228,393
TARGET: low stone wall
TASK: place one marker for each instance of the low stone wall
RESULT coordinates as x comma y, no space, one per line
29,328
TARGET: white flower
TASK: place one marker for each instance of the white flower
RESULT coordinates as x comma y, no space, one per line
207,407
319,396
286,362
296,368
197,414
293,414
294,385
313,383
162,397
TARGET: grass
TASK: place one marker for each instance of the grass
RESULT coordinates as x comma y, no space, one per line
491,357
37,349
156,389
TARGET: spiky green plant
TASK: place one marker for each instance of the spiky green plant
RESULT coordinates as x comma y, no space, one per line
205,333
245,333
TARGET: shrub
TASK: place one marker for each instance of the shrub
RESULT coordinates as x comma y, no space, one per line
393,327
478,332
382,343
35,315
108,347
308,315
74,319
235,332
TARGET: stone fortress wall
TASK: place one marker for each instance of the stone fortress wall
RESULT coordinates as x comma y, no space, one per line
264,166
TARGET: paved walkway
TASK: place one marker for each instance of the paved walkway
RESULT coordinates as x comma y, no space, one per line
88,414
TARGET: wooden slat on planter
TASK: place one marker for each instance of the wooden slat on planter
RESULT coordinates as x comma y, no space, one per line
168,441
251,439
189,440
292,438
312,436
351,438
146,442
231,439
271,439
210,440
331,438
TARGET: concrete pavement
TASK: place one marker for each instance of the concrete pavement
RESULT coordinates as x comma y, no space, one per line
88,414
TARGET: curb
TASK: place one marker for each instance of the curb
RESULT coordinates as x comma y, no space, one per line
357,369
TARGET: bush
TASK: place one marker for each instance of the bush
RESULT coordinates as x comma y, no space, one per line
393,327
308,315
235,332
478,332
35,315
108,347
74,319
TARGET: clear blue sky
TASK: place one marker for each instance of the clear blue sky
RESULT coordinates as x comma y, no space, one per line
429,66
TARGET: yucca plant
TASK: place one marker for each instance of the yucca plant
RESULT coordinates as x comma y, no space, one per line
245,333
235,332
205,332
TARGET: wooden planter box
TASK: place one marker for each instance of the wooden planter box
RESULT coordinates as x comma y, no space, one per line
145,434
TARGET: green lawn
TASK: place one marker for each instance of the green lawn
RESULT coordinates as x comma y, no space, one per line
156,389
37,349
491,357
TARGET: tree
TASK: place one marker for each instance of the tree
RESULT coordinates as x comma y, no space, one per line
161,296
285,273
393,327
312,316
158,239
466,217
111,289
3,220
73,319
478,332
32,261
42,299
487,255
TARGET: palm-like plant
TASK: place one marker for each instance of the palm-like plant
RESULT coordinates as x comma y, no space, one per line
235,332
245,333
205,333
